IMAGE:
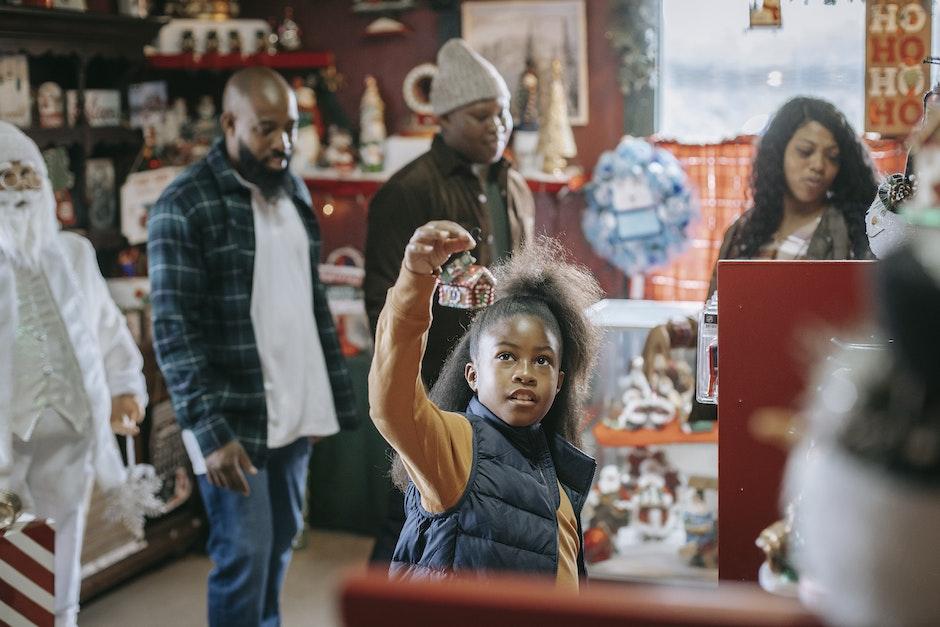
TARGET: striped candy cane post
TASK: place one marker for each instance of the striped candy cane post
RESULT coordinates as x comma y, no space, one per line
27,579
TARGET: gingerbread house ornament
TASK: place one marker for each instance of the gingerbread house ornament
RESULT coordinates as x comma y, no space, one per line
465,285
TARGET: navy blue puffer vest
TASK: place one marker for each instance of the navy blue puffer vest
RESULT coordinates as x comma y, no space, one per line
505,520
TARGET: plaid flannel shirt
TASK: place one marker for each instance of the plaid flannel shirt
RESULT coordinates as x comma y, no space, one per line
201,248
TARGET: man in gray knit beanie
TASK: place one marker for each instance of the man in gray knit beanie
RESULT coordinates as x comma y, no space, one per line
463,77
463,178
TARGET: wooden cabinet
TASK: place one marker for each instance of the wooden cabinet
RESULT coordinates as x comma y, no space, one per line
81,51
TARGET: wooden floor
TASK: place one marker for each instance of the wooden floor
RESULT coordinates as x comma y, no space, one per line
175,594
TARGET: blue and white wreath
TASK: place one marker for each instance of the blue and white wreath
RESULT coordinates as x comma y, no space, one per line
639,208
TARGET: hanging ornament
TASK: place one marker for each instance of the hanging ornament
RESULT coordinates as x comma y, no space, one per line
135,499
556,141
465,285
639,206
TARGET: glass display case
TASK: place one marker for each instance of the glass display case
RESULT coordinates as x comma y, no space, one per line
652,511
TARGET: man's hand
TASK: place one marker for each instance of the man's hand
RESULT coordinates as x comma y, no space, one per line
125,415
433,244
226,467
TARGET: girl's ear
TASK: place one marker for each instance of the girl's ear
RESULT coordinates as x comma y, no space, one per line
470,374
561,379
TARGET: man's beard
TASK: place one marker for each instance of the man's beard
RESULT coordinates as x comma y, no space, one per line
27,224
270,182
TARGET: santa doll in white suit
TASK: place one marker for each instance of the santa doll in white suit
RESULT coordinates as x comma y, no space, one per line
70,372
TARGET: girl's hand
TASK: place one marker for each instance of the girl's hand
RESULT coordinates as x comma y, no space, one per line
433,244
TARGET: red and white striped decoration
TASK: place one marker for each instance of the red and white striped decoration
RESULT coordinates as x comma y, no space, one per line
27,576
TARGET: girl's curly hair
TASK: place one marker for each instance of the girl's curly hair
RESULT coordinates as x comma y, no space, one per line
540,281
852,190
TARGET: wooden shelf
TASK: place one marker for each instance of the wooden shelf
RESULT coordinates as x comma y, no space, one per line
281,61
356,183
59,31
672,433
45,137
383,6
68,135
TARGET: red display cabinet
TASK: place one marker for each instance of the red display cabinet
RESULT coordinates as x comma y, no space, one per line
774,319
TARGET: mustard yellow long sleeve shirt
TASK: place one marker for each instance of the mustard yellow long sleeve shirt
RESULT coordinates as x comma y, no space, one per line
436,446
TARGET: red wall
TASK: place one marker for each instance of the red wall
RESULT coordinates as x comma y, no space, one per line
332,25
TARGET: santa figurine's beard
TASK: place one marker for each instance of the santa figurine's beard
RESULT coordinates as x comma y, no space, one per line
27,223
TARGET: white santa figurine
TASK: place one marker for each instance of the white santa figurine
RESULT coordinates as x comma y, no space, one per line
70,372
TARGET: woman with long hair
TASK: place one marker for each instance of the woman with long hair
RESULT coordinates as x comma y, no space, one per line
811,184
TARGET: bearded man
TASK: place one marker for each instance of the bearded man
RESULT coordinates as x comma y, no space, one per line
70,372
246,342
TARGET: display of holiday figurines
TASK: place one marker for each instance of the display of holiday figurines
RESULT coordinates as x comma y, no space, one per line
632,504
371,128
651,403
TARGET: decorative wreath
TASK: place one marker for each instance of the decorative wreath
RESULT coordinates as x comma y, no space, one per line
639,206
416,88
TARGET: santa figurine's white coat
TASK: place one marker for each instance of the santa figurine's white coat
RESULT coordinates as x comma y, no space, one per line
65,353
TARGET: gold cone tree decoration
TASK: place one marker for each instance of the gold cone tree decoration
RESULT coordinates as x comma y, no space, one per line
556,141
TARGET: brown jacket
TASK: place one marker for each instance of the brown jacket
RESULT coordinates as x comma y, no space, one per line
438,185
830,241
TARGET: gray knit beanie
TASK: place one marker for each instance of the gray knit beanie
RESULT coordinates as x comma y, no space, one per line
463,77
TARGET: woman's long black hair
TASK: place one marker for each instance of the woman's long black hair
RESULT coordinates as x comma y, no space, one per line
536,281
852,190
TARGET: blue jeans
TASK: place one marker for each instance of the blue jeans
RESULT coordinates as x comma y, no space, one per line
250,539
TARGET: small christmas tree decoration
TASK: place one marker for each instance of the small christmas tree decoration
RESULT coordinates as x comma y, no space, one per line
465,285
556,141
372,128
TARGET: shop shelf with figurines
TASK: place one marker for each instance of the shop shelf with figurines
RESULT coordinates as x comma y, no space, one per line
652,510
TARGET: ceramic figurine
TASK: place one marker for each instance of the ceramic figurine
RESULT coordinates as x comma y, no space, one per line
188,42
701,529
234,41
50,103
778,574
339,151
372,127
289,32
212,42
307,148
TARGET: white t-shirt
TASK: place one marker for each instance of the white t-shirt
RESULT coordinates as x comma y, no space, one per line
296,381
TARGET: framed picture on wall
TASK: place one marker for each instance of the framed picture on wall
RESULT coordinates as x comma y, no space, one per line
509,33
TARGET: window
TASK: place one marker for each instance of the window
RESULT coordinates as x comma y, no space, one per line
720,79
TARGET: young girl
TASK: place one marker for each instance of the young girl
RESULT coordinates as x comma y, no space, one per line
494,481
